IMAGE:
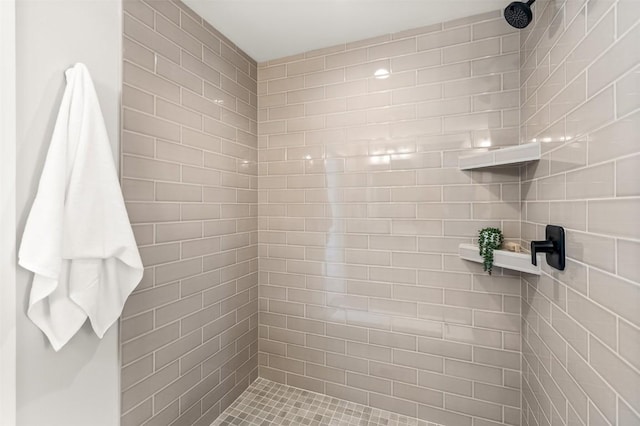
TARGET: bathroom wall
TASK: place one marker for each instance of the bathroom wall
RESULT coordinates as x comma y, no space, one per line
581,328
362,209
189,175
79,384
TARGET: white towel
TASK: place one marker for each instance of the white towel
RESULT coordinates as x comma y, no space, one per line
78,240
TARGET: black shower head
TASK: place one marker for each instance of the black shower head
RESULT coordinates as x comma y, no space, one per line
519,14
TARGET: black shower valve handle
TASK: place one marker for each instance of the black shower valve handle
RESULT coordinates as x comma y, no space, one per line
545,246
553,246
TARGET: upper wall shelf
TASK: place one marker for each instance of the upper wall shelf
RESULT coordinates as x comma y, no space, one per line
511,156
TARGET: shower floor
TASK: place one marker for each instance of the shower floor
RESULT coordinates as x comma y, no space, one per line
267,403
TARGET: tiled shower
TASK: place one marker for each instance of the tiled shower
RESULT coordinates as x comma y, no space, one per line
189,173
299,219
362,207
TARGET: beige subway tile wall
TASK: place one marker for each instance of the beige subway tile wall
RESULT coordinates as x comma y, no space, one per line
361,211
580,96
189,153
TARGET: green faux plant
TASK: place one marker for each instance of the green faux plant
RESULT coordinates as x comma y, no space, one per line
489,239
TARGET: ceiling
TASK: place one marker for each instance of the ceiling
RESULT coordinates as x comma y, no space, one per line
270,29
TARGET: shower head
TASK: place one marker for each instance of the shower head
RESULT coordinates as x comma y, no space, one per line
519,14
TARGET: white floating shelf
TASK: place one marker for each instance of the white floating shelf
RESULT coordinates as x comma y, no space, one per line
510,156
502,258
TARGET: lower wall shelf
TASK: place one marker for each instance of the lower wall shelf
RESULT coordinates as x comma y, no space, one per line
502,258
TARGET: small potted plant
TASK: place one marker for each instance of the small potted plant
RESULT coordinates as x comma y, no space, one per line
489,239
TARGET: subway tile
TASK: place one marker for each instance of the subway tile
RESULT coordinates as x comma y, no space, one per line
592,182
147,387
200,104
134,327
137,99
395,81
570,97
417,94
615,217
200,176
447,417
368,383
597,390
143,234
137,190
493,211
491,101
592,114
422,361
444,38
626,264
157,254
446,314
614,140
303,66
497,64
419,294
473,407
139,347
568,328
149,82
418,227
137,144
178,270
472,86
137,167
183,83
629,342
622,54
497,321
622,378
627,91
149,38
445,383
628,176
393,372
198,139
149,125
615,294
175,34
491,28
388,403
476,49
415,61
161,212
491,341
442,73
366,69
592,249
497,358
178,153
169,10
466,370
597,40
350,57
177,231
391,49
418,394
140,11
477,336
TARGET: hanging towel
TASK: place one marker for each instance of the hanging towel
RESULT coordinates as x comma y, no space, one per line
78,240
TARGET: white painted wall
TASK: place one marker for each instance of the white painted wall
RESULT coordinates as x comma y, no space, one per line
78,386
7,213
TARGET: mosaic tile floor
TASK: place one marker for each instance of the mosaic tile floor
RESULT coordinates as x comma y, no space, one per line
266,403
